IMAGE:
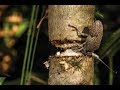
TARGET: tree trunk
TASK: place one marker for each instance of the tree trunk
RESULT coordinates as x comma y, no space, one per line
66,66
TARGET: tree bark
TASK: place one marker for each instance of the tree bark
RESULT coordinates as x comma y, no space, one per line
68,67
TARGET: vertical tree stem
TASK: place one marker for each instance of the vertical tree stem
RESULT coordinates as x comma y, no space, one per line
34,48
31,45
27,45
111,72
69,69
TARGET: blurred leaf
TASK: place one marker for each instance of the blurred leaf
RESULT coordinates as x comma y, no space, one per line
114,48
2,79
100,15
109,49
111,45
22,28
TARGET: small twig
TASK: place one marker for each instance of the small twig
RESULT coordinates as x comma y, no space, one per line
45,16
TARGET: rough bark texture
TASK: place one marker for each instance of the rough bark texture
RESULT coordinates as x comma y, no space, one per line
68,69
78,72
60,16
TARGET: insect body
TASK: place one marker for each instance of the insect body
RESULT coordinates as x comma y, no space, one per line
93,36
